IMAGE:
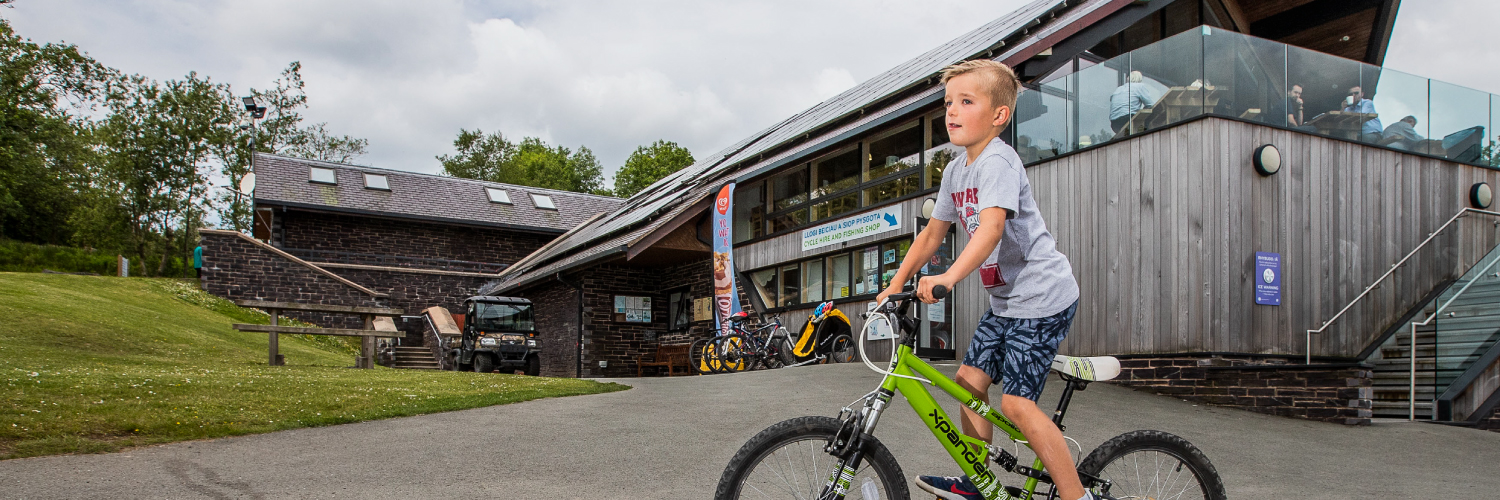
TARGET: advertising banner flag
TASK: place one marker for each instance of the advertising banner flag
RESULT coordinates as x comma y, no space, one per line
726,298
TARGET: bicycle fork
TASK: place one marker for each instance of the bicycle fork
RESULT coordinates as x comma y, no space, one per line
848,444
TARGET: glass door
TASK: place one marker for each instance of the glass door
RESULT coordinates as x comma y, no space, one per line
935,337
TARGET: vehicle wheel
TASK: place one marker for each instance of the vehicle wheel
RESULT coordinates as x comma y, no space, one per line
457,366
533,365
841,350
697,356
787,461
730,353
784,350
1153,464
483,363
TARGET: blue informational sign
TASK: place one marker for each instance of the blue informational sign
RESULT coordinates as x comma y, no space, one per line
1268,278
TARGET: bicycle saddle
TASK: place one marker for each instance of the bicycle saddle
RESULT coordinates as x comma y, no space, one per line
1092,369
739,317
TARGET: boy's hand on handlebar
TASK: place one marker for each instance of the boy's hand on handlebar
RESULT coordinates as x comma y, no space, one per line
895,288
925,285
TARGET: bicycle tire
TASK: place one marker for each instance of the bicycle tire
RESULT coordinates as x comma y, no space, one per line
1125,459
796,442
841,349
731,355
785,350
696,356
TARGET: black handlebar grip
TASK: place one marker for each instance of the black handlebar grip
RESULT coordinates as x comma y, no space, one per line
939,292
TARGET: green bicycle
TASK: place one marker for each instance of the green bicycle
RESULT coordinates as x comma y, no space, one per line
827,458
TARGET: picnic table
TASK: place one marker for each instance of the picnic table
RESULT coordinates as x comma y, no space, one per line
377,321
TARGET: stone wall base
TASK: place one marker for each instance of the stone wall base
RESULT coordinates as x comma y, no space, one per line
1338,393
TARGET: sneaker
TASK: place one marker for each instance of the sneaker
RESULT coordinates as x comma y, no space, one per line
950,488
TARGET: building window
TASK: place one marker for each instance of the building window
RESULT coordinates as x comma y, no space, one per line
791,285
895,151
765,285
838,276
749,211
679,310
497,195
324,176
837,206
542,201
891,165
836,172
376,181
891,255
789,189
864,271
812,276
939,153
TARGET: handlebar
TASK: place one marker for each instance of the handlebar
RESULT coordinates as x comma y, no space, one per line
938,292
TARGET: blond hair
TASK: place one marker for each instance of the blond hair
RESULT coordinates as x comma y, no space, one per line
1000,81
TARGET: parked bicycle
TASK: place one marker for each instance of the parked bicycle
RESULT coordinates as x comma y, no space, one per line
819,457
743,349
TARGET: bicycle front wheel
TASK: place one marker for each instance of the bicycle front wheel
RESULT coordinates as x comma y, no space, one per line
1153,464
787,461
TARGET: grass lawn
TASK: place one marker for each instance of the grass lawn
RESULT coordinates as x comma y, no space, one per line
94,364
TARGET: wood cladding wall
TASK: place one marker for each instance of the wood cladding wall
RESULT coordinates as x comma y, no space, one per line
1162,231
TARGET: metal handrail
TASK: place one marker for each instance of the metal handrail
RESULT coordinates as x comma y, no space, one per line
1412,394
1461,213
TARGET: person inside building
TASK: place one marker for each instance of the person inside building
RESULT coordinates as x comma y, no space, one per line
1030,284
1356,103
1402,134
1129,98
1294,106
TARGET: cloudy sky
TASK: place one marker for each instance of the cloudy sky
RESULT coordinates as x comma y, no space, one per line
610,75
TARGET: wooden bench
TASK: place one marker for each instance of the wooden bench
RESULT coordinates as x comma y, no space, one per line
377,321
669,356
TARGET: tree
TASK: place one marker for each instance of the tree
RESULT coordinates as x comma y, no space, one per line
649,164
1490,155
46,92
159,142
281,132
532,162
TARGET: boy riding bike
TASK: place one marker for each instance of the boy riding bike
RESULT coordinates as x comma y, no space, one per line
1032,291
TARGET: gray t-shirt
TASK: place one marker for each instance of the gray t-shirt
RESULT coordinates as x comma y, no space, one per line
1025,276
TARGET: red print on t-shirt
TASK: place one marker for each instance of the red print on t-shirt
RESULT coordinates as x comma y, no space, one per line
991,276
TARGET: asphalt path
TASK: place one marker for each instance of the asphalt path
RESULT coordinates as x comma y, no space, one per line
671,437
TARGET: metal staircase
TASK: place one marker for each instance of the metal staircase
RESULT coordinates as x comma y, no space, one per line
1462,325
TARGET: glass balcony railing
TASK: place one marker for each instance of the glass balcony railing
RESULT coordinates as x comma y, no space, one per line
1213,71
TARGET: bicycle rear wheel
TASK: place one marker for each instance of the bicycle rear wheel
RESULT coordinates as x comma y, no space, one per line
730,354
1154,464
787,461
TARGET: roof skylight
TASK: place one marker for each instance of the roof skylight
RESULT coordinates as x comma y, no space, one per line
324,176
497,195
542,201
376,181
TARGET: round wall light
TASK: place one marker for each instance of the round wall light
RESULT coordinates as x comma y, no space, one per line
1267,159
927,206
1480,195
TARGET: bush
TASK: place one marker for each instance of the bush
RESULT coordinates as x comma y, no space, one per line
17,256
21,257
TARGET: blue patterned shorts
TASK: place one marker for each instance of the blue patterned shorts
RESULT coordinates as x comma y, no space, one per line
1017,352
